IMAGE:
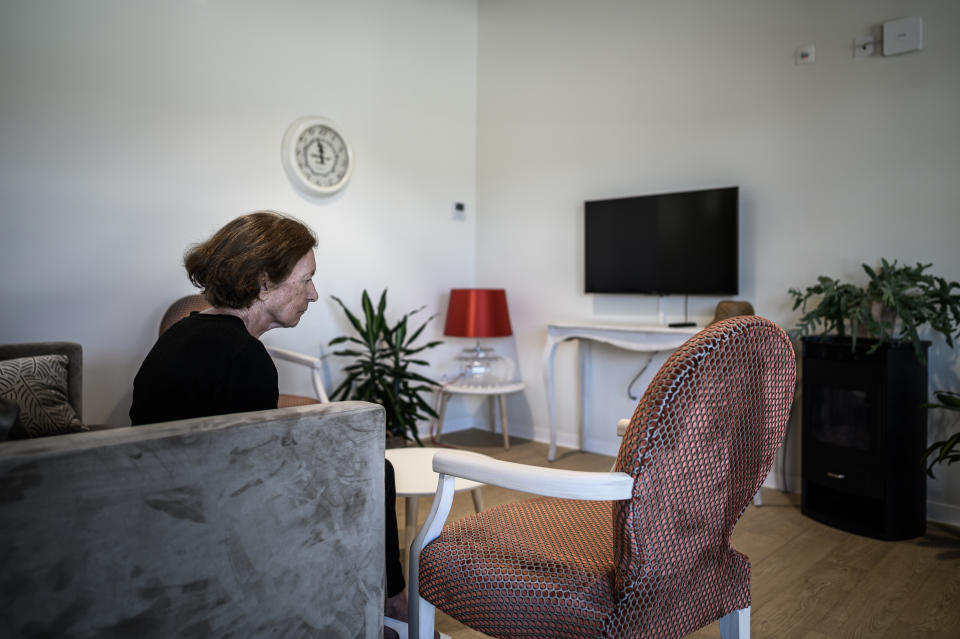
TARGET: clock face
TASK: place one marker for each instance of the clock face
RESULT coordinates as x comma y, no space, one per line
316,156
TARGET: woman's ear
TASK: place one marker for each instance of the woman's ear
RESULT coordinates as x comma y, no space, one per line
264,287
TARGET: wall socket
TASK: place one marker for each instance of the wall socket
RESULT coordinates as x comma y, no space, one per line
806,54
863,47
459,211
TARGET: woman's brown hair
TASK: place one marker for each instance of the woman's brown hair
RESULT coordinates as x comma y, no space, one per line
229,267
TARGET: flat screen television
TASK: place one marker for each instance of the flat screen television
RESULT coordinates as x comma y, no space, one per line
666,244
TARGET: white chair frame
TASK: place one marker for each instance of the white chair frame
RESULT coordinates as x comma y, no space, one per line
313,363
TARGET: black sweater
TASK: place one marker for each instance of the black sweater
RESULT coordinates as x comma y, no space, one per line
204,365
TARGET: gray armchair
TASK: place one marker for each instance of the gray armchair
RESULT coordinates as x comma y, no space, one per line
267,523
247,525
74,353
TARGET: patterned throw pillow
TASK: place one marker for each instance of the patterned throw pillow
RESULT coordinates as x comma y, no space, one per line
39,386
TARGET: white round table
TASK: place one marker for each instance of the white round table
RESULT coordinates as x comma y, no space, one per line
413,468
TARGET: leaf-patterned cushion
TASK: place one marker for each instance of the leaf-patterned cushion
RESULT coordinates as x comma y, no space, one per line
39,387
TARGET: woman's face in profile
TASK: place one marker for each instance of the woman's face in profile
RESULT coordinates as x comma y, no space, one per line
287,301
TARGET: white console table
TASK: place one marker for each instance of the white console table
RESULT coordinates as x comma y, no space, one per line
649,338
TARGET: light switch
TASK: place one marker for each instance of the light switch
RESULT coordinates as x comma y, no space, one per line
903,35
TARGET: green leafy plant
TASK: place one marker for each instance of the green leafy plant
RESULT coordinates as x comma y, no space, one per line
839,305
947,450
895,297
382,368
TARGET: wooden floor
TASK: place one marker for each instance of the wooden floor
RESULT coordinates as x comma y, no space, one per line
809,581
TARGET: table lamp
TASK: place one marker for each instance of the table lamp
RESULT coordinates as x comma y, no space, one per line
479,313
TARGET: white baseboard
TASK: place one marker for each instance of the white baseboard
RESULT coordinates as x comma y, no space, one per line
940,513
451,426
943,513
564,440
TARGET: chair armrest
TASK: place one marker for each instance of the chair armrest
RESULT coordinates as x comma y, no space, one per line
293,356
550,482
311,362
622,427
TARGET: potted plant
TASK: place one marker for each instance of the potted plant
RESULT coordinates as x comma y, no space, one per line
862,404
896,302
947,450
382,369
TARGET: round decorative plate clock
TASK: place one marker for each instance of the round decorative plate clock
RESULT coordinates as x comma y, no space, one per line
316,156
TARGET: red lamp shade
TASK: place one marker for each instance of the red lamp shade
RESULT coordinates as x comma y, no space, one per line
477,312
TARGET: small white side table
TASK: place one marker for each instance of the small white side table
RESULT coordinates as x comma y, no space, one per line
413,470
495,393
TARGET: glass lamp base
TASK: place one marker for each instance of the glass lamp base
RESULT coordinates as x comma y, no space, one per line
480,367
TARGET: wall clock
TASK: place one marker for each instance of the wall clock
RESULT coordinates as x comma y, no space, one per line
316,156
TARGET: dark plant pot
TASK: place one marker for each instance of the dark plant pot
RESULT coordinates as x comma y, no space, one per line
864,434
882,313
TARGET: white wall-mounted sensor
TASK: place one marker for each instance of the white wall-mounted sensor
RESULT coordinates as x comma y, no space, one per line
903,35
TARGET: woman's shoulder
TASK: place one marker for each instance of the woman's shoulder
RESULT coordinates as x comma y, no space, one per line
209,325
209,333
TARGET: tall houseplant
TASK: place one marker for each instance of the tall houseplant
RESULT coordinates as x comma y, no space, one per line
895,303
382,368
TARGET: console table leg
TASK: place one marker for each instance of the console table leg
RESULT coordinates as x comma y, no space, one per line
584,357
443,411
548,353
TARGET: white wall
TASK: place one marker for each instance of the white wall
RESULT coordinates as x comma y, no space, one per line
840,162
130,129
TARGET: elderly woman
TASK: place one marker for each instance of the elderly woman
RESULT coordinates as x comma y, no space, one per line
257,273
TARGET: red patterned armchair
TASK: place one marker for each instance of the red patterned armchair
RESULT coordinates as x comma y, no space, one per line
640,552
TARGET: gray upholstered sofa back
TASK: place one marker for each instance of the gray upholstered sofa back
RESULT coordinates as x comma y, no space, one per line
247,525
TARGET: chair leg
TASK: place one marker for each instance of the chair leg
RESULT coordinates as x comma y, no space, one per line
420,611
735,625
398,626
421,622
758,498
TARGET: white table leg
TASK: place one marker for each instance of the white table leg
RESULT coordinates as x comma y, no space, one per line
410,521
584,357
548,354
501,400
491,415
477,499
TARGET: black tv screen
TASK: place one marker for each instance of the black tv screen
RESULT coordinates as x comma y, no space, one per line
671,243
